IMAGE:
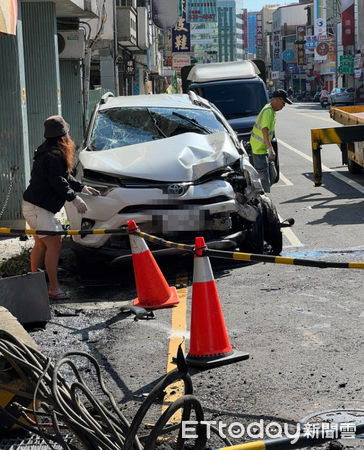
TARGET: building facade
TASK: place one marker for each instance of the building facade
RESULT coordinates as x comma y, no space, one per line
252,33
226,18
64,56
41,75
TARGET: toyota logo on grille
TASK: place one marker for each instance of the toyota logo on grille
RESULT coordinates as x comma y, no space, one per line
176,189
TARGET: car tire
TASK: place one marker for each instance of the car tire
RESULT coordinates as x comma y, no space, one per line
254,237
272,228
353,167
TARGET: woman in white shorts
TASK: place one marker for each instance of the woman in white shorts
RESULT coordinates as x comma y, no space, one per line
50,186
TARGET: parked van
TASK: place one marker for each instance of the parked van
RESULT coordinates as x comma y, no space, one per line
236,89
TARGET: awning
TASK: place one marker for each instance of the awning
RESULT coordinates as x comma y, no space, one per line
8,16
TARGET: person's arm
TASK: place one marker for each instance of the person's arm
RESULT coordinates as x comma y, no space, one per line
265,132
56,167
75,184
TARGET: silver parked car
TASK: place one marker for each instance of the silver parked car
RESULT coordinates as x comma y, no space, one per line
341,96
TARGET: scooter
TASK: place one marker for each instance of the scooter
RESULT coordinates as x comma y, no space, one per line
324,101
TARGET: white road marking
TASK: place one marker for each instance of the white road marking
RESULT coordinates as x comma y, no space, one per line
293,239
317,116
285,180
338,175
295,150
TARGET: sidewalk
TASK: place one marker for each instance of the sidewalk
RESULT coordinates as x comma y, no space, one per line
13,246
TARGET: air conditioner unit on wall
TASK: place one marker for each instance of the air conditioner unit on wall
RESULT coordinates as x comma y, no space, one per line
143,28
71,44
126,26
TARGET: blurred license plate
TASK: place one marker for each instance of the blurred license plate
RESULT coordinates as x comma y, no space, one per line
182,220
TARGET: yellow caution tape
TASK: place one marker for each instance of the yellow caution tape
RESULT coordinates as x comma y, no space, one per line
239,256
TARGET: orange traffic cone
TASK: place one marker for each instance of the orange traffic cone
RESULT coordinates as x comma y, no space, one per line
152,288
209,342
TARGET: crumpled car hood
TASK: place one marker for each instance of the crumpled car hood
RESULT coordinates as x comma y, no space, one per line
186,157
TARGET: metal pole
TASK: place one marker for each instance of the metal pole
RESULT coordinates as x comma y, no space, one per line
299,77
86,84
116,52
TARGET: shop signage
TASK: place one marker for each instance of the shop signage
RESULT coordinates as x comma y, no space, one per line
322,48
179,61
300,35
288,55
319,7
201,11
181,33
347,17
294,68
259,30
129,68
357,61
277,62
357,73
311,42
300,55
245,27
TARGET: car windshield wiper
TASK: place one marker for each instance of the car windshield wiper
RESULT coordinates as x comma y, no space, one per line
155,123
193,122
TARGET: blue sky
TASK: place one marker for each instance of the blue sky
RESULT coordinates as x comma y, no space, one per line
257,5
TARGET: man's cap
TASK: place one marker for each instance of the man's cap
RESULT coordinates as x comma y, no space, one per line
281,93
55,126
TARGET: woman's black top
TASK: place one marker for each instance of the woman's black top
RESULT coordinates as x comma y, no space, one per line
50,183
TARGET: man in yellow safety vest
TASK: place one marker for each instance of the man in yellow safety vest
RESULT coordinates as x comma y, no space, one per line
261,138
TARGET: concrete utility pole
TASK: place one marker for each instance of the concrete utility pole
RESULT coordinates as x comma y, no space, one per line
86,83
116,51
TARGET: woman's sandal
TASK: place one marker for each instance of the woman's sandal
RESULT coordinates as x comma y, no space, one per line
58,295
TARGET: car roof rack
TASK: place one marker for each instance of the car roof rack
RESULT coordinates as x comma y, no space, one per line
105,97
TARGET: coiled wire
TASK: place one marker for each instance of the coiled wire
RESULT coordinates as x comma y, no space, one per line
96,426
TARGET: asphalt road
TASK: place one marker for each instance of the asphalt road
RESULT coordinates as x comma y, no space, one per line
302,327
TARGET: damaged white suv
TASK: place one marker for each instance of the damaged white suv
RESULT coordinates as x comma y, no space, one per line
174,165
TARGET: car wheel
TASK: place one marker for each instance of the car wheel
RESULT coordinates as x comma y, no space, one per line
254,238
353,167
272,228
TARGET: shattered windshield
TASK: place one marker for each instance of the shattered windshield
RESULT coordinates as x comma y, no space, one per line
119,127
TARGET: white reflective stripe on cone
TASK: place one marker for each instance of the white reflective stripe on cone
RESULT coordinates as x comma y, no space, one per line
137,244
202,271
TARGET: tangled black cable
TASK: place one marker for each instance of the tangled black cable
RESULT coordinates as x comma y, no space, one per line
74,406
